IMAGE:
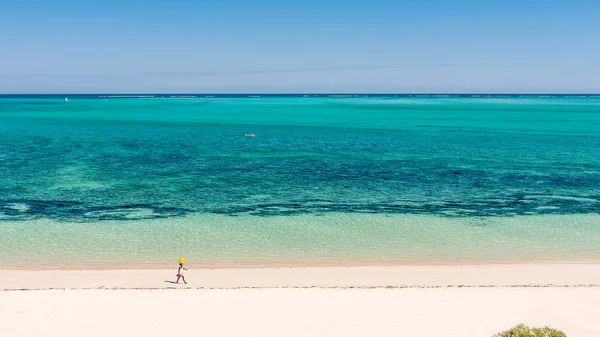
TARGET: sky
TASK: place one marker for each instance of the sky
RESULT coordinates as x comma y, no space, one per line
264,46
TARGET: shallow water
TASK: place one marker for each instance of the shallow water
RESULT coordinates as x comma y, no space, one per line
140,180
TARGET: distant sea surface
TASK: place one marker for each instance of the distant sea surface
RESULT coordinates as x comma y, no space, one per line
111,180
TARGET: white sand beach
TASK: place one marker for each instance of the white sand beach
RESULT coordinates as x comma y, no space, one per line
319,301
557,274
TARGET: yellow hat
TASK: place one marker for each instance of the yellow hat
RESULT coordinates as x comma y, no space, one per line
181,260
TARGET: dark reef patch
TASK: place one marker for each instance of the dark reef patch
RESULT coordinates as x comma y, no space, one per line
517,204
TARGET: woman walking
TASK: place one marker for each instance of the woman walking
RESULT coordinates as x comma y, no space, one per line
179,273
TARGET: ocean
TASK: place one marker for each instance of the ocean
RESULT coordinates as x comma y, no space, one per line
125,180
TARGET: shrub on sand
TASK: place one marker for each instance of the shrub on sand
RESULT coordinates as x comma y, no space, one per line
525,331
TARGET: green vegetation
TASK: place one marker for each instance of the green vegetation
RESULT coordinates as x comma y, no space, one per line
525,331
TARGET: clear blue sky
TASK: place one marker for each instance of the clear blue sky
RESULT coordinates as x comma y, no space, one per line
301,46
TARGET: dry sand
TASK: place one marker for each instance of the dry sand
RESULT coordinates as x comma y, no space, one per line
333,301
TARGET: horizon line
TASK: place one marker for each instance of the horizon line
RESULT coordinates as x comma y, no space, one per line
303,94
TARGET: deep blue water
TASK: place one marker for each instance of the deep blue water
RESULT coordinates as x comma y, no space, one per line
97,157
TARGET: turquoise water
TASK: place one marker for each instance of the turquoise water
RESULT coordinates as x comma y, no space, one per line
110,181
